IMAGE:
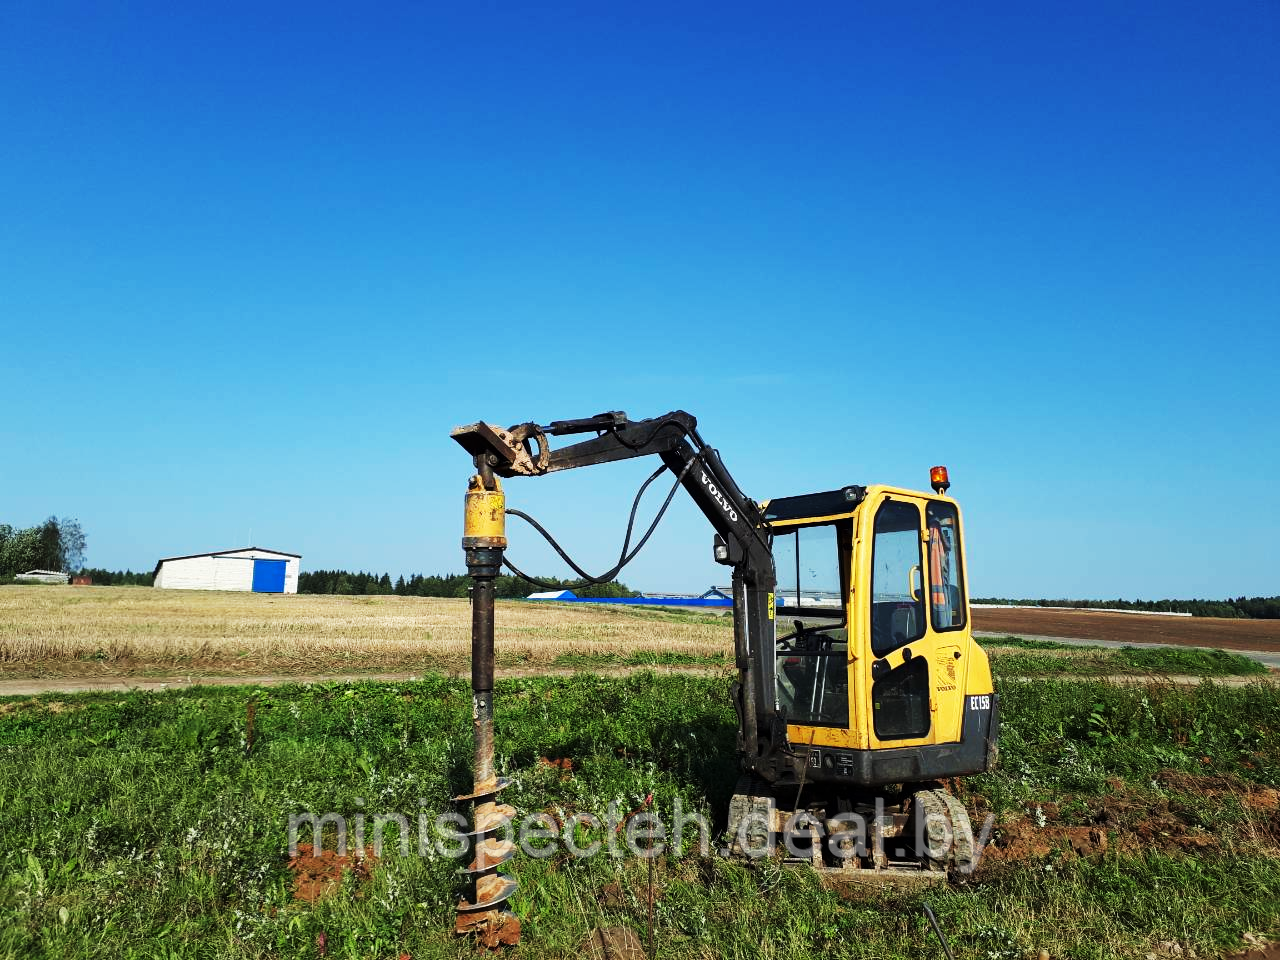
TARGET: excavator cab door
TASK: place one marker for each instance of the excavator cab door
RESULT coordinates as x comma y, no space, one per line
812,634
916,620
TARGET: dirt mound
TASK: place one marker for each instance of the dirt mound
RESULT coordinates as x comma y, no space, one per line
1269,952
316,875
492,930
563,765
1023,839
1258,949
613,943
1121,821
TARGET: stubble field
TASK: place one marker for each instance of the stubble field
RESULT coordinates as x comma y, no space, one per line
87,636
123,631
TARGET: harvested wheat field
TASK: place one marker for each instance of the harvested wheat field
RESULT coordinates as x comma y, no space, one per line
86,631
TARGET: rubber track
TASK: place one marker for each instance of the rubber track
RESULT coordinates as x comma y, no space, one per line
944,813
751,796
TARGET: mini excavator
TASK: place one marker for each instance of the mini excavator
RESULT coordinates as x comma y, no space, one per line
859,689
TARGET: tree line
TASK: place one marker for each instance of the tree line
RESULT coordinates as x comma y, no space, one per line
118,578
1240,608
438,585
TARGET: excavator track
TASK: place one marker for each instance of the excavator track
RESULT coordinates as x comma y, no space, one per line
948,834
752,812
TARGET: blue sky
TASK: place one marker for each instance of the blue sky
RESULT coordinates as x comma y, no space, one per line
255,263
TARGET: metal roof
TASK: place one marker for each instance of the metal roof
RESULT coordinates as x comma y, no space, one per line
221,553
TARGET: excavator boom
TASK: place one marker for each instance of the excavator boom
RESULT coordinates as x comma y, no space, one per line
524,450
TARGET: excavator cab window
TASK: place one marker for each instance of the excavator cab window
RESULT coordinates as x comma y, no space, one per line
813,638
946,593
897,580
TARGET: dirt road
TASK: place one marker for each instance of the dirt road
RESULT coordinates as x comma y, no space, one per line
35,686
1130,628
32,688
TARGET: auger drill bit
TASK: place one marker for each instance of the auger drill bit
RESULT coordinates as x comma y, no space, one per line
482,911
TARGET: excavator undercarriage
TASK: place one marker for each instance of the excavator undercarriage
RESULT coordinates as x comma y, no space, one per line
915,836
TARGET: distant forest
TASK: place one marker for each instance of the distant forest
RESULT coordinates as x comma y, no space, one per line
117,578
1242,608
447,585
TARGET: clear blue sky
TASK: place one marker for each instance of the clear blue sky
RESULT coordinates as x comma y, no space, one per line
256,260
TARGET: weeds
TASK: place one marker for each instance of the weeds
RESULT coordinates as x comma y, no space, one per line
1017,657
1190,660
136,825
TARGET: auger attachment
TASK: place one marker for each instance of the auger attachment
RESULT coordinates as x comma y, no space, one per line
482,911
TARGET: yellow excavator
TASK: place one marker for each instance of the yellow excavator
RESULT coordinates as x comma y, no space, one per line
860,688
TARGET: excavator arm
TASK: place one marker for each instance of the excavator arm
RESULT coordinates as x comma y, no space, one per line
525,450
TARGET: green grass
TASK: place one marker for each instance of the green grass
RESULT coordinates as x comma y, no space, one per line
140,825
1044,658
1071,737
641,658
1021,643
718,617
1191,660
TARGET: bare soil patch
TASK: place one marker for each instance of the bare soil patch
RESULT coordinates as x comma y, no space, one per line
614,943
1270,952
1126,821
317,875
1131,628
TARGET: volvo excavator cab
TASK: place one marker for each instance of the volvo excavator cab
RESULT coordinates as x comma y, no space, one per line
875,665
878,685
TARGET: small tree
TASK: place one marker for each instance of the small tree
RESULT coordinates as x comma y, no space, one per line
73,543
49,555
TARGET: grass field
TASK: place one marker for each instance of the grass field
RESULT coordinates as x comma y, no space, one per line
139,632
1131,821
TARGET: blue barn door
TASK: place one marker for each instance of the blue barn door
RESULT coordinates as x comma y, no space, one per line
268,576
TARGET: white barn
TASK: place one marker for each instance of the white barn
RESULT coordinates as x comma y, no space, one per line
43,576
249,568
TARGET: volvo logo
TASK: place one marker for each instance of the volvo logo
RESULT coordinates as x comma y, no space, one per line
731,513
